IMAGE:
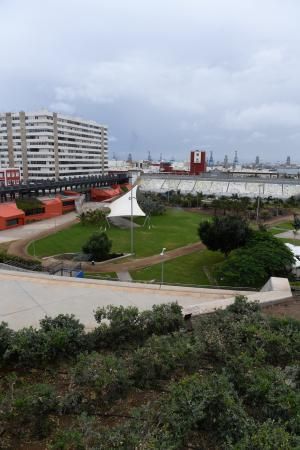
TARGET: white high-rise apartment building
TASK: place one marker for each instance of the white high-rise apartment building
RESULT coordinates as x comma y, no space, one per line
52,145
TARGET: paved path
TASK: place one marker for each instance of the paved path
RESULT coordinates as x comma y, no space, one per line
20,237
31,230
279,219
289,235
124,276
140,263
28,297
123,223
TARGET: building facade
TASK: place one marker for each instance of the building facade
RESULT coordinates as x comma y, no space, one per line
46,144
197,162
10,177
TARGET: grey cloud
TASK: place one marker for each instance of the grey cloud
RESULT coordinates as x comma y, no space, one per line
173,71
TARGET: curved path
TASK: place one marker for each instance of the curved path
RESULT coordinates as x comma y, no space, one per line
134,264
18,245
147,261
19,239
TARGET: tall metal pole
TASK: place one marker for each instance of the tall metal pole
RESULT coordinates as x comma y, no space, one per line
131,225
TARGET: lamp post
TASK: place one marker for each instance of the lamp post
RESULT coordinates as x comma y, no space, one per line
131,224
162,254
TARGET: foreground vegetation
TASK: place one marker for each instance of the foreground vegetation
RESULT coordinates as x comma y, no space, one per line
142,381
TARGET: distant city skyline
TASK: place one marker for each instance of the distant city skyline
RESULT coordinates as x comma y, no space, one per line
166,77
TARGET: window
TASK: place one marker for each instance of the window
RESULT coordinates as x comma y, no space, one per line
12,222
31,212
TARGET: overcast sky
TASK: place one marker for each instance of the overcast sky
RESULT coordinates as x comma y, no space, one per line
166,76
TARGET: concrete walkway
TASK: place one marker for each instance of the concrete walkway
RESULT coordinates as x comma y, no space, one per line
123,223
124,276
28,297
20,237
31,230
289,235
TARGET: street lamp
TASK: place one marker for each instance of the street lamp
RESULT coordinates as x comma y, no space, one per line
131,198
162,254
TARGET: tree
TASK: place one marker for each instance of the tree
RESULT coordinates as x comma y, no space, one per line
296,222
93,217
151,205
264,256
224,233
98,246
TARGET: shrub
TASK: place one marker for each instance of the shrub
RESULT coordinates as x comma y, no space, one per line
30,406
27,348
163,319
105,374
268,436
98,246
68,440
127,325
20,262
6,335
160,356
242,306
58,337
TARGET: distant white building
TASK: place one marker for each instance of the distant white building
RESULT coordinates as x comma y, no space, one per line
46,144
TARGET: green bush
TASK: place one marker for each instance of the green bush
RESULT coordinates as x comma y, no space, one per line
22,262
194,404
163,319
29,409
67,440
59,337
264,256
128,325
106,375
161,355
98,246
268,436
28,347
242,306
6,336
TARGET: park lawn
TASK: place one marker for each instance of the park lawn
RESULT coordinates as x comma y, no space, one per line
188,269
291,241
174,229
281,227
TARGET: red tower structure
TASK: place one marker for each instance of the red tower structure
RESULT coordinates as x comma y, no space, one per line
198,162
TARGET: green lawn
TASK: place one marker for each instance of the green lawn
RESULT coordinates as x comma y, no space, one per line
174,229
187,269
281,227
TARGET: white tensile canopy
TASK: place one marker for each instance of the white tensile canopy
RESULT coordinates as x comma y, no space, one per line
126,206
